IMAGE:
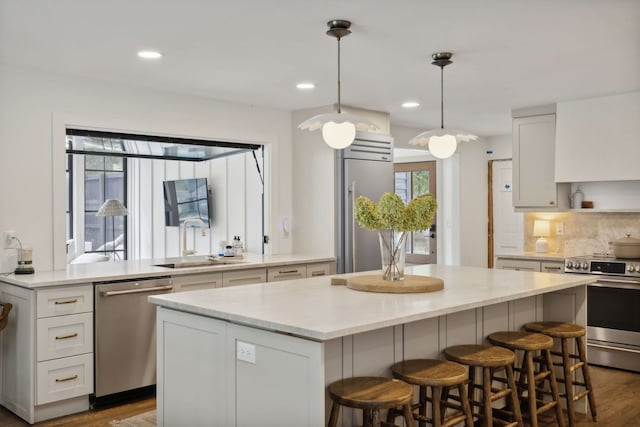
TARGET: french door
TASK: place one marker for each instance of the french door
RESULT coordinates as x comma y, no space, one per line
413,180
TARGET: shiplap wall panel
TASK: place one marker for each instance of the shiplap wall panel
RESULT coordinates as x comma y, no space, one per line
421,339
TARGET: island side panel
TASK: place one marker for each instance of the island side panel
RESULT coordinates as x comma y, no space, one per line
192,378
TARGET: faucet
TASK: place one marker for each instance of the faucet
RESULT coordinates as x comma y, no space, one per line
186,221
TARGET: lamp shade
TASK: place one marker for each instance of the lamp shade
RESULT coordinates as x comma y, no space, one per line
112,207
442,143
541,228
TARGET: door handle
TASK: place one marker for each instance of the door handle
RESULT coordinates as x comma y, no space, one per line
137,291
353,227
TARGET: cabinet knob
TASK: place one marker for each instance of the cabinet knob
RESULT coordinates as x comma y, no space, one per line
552,202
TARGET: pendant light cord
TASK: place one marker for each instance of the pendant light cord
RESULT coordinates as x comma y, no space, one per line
339,110
441,97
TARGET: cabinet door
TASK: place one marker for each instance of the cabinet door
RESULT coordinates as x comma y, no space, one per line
244,277
286,272
517,264
194,282
533,161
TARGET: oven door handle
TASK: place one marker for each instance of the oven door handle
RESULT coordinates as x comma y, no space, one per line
137,291
608,347
616,283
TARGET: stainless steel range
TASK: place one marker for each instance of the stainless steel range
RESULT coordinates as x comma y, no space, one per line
613,309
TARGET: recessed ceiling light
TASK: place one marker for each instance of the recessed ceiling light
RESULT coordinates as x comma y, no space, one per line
149,54
410,104
305,85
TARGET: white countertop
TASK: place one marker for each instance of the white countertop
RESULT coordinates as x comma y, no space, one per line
314,309
123,270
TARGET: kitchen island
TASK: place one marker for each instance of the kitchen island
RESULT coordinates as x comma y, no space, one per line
263,354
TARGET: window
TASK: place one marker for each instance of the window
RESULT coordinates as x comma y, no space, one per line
105,177
413,180
69,182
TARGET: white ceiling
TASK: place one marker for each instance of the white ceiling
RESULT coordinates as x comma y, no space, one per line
507,53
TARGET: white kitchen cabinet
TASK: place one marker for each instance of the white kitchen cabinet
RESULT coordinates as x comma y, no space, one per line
534,184
522,264
46,363
244,277
194,282
286,272
320,269
597,139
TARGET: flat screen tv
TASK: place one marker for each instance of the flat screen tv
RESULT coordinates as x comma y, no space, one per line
186,198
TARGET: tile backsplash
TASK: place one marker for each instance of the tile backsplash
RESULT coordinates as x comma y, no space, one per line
584,233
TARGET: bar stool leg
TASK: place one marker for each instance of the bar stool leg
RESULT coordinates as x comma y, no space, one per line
486,397
548,363
531,388
408,415
568,382
514,396
587,377
466,407
375,418
436,396
472,385
335,412
423,405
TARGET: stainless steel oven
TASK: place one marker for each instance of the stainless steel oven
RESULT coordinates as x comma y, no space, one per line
613,310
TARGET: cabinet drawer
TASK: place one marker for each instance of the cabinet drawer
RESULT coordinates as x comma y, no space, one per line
67,300
64,336
517,264
286,272
194,282
319,269
552,267
64,378
244,277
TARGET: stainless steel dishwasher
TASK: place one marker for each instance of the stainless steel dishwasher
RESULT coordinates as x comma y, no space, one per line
125,334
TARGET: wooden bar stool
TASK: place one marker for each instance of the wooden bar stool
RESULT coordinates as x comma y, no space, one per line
491,359
371,394
438,375
531,343
565,332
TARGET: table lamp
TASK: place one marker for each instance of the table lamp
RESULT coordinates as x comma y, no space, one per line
112,208
541,230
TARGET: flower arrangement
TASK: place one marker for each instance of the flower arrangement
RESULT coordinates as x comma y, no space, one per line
391,212
392,219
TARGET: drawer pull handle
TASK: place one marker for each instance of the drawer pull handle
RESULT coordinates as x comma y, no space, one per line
61,380
317,273
552,268
288,271
64,337
69,301
242,279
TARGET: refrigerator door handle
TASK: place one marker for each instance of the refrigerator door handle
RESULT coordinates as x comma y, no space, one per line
352,190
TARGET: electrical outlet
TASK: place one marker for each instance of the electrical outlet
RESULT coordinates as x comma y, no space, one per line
246,352
7,238
559,229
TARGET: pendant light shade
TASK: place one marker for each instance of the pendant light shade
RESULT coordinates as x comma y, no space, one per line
442,142
338,129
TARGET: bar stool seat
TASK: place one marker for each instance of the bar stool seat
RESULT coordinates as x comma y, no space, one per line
531,343
490,359
439,375
565,331
371,394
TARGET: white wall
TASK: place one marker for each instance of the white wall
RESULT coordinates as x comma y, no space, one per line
462,196
35,107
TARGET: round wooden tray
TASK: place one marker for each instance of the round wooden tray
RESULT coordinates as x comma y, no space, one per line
410,284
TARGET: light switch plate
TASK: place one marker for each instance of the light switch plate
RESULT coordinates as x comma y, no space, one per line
246,352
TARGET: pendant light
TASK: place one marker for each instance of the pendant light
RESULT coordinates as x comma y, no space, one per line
338,129
442,142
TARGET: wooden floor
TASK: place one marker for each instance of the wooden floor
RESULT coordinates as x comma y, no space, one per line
617,393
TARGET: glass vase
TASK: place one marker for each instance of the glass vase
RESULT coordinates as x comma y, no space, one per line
392,252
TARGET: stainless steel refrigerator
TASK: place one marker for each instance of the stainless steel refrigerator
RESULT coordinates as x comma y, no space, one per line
365,168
